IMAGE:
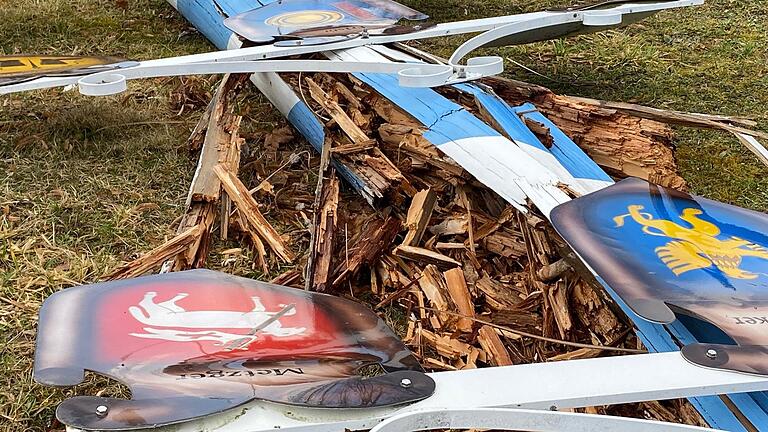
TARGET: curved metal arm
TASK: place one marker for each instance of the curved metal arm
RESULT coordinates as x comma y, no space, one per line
556,23
523,420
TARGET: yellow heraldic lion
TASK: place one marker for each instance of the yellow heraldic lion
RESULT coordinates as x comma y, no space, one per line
697,246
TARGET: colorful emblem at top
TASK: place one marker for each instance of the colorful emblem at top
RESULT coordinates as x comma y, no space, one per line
15,69
292,19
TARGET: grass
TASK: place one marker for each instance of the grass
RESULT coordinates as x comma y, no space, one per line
87,183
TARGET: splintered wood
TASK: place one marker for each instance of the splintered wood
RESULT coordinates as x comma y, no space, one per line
480,284
466,279
622,143
216,135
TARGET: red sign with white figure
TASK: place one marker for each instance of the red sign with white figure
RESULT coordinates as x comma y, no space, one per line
193,343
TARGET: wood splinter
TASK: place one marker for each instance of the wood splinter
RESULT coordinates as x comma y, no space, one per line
249,210
419,214
426,256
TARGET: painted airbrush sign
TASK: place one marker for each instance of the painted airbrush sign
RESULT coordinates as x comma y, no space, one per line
17,69
193,343
664,251
317,18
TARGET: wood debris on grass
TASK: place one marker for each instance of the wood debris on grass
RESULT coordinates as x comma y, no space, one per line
477,282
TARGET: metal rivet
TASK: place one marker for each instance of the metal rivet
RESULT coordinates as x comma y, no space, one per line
553,408
101,410
405,383
711,353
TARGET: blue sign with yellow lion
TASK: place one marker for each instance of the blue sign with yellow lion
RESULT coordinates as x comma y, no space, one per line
665,252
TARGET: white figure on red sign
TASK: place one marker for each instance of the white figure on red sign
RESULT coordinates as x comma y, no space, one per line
167,320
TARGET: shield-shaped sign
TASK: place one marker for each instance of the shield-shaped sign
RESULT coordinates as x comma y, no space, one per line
197,342
666,252
16,69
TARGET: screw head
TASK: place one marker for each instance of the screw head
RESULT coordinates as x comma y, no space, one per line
405,383
101,410
712,354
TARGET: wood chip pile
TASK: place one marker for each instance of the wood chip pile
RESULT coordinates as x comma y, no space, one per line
467,280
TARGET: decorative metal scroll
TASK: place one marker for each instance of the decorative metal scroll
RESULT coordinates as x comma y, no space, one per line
193,343
665,252
305,19
17,69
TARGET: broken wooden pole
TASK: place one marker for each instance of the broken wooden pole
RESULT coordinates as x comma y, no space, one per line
323,233
221,145
623,144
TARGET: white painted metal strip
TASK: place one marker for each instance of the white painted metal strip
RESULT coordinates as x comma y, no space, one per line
543,386
524,420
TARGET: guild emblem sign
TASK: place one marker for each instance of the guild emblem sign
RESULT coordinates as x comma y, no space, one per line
193,343
670,254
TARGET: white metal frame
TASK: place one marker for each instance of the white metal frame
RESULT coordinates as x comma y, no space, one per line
540,386
231,59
